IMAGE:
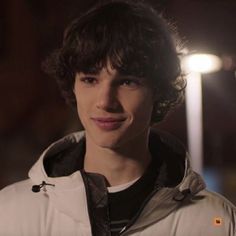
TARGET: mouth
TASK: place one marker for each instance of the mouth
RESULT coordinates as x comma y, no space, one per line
108,123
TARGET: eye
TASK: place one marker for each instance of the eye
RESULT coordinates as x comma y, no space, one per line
89,80
130,83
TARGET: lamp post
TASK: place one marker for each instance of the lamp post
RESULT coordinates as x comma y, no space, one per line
194,66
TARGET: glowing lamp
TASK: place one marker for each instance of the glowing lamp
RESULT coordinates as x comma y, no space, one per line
201,63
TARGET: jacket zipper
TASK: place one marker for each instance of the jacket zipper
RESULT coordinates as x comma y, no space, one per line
88,200
134,219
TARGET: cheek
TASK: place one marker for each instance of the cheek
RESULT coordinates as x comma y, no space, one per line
82,107
144,112
141,107
82,104
82,97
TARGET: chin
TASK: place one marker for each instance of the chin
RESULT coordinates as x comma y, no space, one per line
108,143
113,139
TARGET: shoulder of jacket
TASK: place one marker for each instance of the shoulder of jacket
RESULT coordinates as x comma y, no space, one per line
211,204
219,200
17,193
15,187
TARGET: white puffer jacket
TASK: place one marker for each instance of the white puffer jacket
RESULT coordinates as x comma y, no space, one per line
187,209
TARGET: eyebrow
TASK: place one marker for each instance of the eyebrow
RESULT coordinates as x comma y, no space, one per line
117,76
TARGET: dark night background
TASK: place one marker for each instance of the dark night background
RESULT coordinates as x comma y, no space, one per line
33,114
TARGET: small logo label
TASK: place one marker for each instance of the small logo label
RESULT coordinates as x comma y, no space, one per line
218,221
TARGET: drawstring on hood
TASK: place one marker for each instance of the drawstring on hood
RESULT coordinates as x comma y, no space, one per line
37,188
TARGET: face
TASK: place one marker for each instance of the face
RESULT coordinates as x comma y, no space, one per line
113,108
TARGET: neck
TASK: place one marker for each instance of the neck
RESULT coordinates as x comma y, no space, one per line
118,165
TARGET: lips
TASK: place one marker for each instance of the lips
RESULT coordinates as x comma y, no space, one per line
108,123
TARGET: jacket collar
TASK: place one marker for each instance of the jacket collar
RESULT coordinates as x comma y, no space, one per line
169,197
178,182
68,189
176,176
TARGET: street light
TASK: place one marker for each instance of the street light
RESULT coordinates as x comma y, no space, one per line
201,63
194,65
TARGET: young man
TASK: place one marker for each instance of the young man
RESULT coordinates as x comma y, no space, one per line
119,66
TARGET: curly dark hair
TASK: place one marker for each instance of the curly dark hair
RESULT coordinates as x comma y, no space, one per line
136,41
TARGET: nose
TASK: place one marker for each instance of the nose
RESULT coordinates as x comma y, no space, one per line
107,99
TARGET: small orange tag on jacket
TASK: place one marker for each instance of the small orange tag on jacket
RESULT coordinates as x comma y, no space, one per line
218,221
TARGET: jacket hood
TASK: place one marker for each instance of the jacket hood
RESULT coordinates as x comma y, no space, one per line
61,162
70,186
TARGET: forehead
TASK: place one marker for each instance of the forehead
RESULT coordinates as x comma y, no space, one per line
113,70
111,73
109,70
